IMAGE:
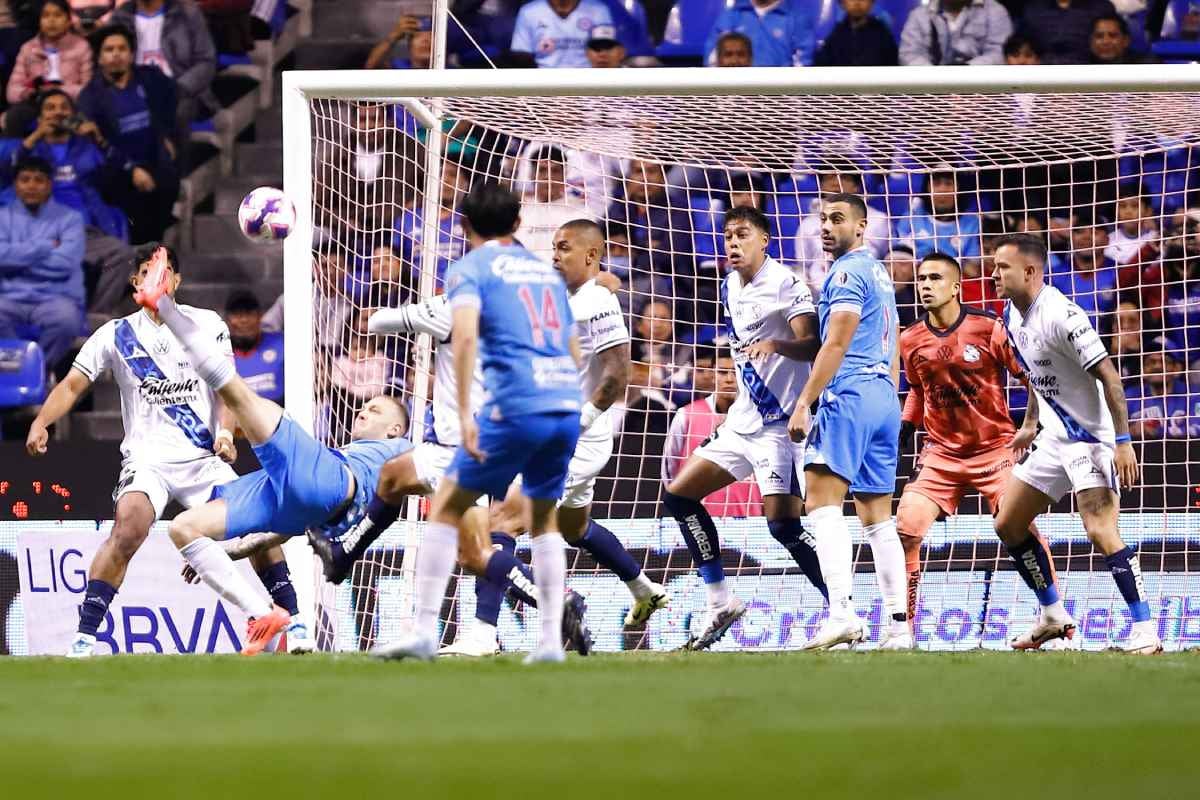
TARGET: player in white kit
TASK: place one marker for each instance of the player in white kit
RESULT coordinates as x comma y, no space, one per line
771,323
579,247
1084,446
175,448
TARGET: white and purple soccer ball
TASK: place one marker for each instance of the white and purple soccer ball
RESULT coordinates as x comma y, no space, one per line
266,215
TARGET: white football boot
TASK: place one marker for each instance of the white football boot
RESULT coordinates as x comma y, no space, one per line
1143,640
1046,629
476,641
833,631
717,622
299,641
546,655
410,645
81,646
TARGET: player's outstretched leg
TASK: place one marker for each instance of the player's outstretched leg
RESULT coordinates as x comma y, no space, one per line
1100,512
698,479
1022,503
272,569
194,532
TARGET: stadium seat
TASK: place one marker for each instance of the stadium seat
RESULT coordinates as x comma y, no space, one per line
22,373
688,26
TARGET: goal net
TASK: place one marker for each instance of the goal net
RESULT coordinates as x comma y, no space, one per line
1103,166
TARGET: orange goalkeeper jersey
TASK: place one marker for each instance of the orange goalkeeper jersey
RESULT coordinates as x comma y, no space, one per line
958,377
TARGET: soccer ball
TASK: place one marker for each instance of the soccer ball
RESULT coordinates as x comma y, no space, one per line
266,215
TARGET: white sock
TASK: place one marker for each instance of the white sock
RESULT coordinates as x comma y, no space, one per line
890,572
640,587
836,555
1146,626
435,562
214,367
1055,610
550,567
485,628
718,594
216,569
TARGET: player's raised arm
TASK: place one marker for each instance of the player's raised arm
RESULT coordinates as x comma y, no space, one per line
431,315
1114,397
62,399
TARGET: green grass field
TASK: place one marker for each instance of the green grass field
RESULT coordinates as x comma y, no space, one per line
913,725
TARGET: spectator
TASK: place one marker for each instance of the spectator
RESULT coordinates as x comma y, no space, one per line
257,354
12,36
955,32
902,267
1020,50
604,50
944,226
861,39
1109,42
451,242
590,177
659,227
134,107
87,16
41,256
1125,338
654,334
716,383
418,31
54,58
1181,278
1062,29
1158,405
978,288
1090,278
361,371
554,33
172,35
1135,240
781,32
641,431
734,50
812,260
548,206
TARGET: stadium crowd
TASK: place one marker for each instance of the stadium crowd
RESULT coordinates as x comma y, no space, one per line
100,97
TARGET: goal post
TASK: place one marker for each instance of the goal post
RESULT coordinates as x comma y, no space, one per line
377,161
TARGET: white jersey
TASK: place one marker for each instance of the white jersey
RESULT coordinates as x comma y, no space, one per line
767,389
599,325
149,39
434,316
167,410
1057,345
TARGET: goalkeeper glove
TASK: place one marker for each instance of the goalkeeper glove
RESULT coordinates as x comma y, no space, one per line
907,429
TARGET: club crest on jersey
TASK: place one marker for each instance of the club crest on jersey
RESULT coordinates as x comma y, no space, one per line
841,277
970,354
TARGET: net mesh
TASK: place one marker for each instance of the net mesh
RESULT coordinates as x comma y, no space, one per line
1109,180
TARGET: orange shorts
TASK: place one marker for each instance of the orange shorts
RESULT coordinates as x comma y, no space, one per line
945,479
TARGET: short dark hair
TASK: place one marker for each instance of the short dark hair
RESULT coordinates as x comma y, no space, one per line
1015,43
143,253
63,6
1112,17
582,225
852,200
945,258
744,182
97,38
735,35
52,92
242,300
1026,244
491,209
400,407
34,164
748,214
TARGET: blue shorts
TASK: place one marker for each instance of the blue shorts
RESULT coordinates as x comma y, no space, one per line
301,483
856,434
538,447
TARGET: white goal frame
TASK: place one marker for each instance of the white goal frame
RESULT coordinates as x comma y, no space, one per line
419,91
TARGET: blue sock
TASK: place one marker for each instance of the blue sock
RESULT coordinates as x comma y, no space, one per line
506,570
96,600
278,580
700,533
378,518
609,552
1127,572
489,595
799,543
1033,562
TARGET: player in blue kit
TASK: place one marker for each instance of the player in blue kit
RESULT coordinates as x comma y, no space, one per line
853,442
513,308
302,484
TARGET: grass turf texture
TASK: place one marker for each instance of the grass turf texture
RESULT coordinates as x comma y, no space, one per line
907,725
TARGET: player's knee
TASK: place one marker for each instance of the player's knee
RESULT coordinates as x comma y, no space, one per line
183,530
127,537
678,505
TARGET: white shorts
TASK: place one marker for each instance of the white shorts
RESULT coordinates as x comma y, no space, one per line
1057,467
431,461
586,465
190,483
769,454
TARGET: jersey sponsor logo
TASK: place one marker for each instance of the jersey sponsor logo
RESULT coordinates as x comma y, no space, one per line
1041,362
161,347
948,395
970,354
518,269
152,377
158,391
944,353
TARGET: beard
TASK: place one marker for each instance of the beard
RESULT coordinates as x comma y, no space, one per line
243,342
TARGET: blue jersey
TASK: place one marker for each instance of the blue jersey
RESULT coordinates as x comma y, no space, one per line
858,282
262,367
957,237
525,325
365,458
